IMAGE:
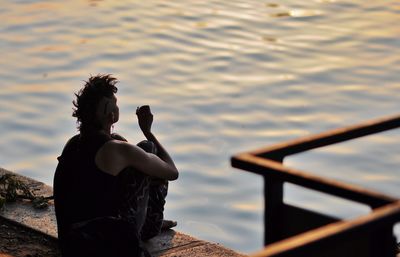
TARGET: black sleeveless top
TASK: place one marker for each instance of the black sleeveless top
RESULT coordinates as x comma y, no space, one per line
81,190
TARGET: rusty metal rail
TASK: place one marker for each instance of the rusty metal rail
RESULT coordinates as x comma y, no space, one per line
293,231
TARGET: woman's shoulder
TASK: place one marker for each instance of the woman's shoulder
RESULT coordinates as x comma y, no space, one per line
72,142
117,136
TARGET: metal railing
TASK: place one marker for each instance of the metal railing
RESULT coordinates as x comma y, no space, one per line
294,231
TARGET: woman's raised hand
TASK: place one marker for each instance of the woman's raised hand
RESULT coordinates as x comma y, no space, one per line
145,118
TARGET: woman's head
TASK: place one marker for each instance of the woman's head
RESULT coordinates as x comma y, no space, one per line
96,104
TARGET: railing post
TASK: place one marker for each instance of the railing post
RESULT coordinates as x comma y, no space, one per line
273,200
383,242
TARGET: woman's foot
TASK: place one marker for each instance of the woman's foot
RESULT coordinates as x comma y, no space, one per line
167,224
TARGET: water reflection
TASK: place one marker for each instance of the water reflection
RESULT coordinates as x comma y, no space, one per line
221,76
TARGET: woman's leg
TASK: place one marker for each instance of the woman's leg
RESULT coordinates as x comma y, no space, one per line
155,209
134,197
158,190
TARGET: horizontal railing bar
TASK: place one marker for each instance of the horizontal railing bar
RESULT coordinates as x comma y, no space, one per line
329,137
277,170
386,215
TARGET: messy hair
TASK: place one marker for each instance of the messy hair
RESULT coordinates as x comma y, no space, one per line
88,98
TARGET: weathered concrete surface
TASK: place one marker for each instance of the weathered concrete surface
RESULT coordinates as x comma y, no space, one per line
19,241
169,243
23,212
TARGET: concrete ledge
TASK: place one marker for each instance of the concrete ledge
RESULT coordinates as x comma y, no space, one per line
169,243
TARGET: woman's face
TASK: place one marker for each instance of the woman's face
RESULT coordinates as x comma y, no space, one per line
108,110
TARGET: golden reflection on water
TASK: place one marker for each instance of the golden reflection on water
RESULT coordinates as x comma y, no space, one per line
248,207
381,178
33,88
223,77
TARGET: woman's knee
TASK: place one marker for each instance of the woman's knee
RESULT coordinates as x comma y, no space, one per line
148,146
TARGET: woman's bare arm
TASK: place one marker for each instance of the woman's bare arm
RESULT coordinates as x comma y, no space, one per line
116,155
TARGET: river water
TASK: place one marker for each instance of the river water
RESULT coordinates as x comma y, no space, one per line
222,77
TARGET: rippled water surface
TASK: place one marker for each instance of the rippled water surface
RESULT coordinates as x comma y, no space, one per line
222,77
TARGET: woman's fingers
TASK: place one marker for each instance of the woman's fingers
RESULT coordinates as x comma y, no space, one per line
142,110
